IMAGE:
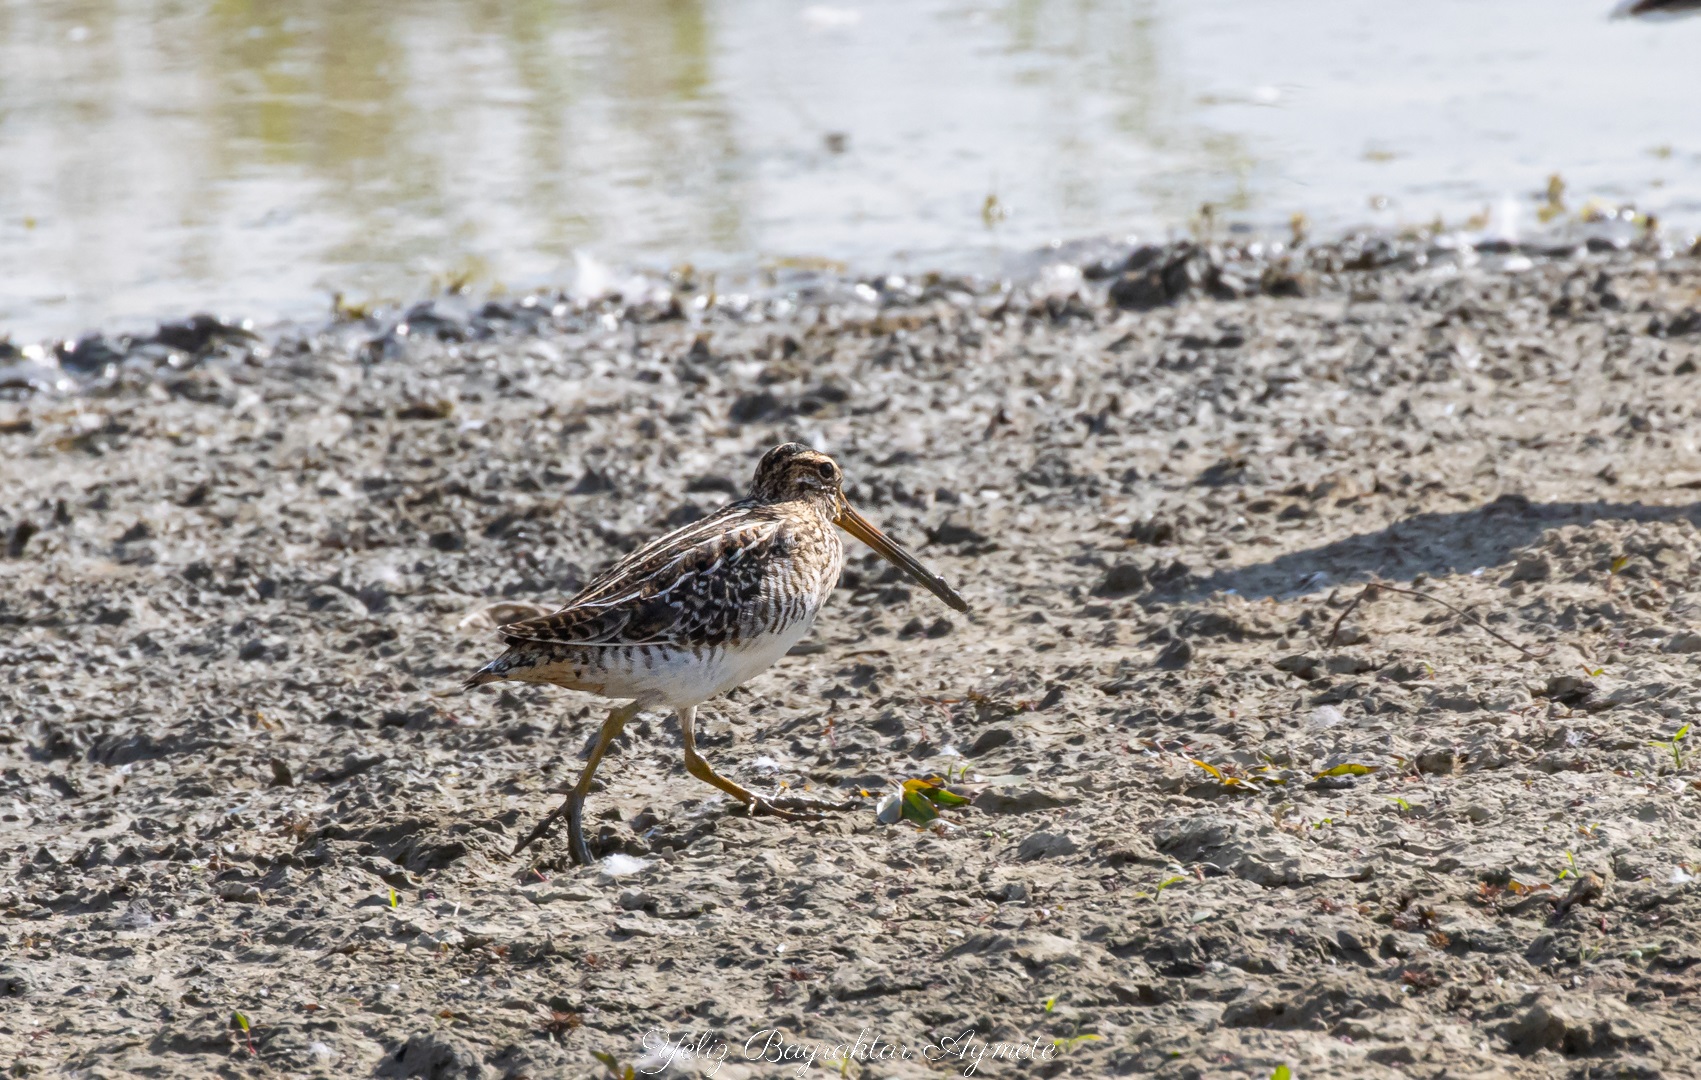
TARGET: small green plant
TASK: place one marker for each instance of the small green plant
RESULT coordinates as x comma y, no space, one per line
239,1021
1347,768
1067,1043
1158,890
1221,777
922,799
1674,745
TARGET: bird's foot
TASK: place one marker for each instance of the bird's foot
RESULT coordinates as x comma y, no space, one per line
574,808
794,807
758,805
576,846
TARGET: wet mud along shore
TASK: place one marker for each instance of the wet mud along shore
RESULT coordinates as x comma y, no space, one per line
1224,818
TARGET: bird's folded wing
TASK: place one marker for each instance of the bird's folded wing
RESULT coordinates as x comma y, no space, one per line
690,587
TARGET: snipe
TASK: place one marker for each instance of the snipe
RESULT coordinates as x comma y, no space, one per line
700,611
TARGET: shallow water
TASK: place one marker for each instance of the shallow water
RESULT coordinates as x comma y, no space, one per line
162,157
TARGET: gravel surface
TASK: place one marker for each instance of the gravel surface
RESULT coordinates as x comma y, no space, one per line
1230,811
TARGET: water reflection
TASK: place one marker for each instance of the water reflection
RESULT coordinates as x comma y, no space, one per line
162,156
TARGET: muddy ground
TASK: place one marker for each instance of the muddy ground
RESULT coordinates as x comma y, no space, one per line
240,577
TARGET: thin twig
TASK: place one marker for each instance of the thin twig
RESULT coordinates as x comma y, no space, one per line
1348,610
1421,595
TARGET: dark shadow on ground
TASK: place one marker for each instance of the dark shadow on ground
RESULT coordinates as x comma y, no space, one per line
1433,544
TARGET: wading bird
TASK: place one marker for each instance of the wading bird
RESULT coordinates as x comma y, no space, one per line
700,611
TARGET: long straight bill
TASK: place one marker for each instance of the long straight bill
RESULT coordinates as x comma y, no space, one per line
887,548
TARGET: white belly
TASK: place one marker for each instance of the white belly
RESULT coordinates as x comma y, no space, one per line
680,679
744,664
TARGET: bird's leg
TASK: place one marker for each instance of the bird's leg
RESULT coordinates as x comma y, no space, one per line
574,805
697,766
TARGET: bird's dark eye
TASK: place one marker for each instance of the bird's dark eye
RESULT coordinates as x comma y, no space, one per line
826,469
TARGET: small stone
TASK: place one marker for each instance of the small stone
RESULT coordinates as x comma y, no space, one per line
751,407
1570,1027
447,937
592,482
637,927
13,982
1301,666
531,948
955,530
1455,698
1351,634
20,538
1123,579
1439,762
433,1054
440,409
1141,291
1687,642
1405,672
281,776
1588,888
1532,567
1569,690
1348,664
1176,655
991,739
1010,892
329,597
1398,1054
1045,845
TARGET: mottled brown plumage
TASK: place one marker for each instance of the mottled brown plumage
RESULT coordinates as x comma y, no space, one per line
701,610
698,586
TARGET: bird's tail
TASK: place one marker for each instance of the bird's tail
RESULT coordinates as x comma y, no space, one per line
495,671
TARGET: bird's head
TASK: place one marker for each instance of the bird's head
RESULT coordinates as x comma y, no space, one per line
792,472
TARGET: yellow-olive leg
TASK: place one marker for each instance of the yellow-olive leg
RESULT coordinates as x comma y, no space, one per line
698,767
574,805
